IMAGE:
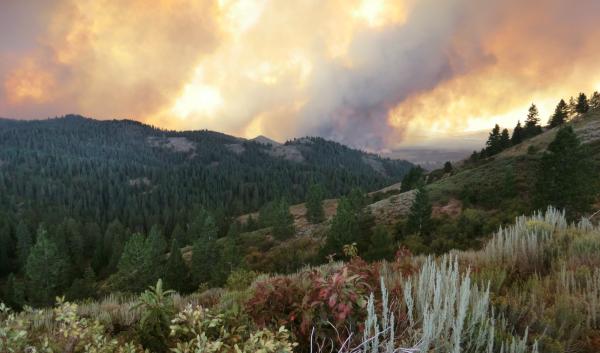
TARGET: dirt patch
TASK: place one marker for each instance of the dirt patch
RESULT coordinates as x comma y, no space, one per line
176,144
236,148
290,153
452,209
139,182
393,187
302,225
388,211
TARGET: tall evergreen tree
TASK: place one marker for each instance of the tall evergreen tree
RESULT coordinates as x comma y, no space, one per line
83,287
229,258
314,204
381,245
412,179
344,230
572,108
93,235
532,123
560,115
567,177
177,274
156,247
266,214
180,235
202,224
582,105
6,247
132,274
24,242
114,241
205,252
493,144
517,134
595,101
46,270
13,294
419,218
504,139
283,221
448,167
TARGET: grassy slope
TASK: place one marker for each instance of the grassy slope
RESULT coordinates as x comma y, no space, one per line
521,160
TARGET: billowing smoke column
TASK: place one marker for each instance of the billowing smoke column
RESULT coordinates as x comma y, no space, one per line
351,104
369,73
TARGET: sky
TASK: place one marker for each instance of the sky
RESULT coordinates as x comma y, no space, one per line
374,74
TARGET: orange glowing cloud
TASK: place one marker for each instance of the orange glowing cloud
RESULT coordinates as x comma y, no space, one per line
372,73
29,84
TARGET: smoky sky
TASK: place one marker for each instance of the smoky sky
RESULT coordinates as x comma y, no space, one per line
370,73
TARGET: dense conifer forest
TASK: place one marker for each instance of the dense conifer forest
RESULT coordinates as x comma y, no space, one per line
85,199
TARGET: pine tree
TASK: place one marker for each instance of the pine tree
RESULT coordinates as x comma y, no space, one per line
13,294
24,242
283,221
45,270
251,225
560,114
381,245
595,101
504,140
412,179
572,108
532,127
92,237
357,200
448,167
177,274
114,241
84,287
344,229
566,177
229,258
420,214
180,235
205,252
156,247
474,156
202,224
314,204
582,105
517,135
493,143
132,275
6,246
266,214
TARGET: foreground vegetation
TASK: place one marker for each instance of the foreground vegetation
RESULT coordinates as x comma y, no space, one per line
534,286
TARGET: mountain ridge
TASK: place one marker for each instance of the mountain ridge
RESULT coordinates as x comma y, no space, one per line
84,156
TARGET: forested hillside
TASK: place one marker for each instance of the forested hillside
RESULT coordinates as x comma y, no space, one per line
107,170
76,194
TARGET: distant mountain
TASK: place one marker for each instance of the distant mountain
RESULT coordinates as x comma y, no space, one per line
429,158
122,169
265,140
